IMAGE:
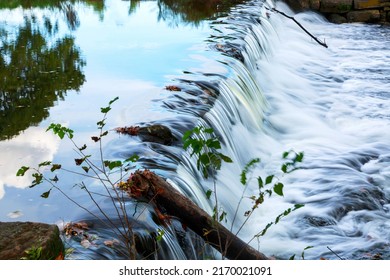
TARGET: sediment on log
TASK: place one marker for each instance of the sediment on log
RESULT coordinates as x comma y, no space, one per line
148,185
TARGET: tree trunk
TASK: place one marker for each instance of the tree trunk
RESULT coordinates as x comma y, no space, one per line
152,187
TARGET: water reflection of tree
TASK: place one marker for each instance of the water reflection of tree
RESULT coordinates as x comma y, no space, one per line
34,73
192,11
66,7
177,12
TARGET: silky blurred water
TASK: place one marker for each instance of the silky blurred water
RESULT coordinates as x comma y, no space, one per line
265,87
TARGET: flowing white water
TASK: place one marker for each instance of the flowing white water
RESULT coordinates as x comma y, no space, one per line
277,90
331,103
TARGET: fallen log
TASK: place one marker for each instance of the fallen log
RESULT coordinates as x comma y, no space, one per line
148,185
156,133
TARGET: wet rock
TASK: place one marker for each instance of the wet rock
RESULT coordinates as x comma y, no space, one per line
336,18
320,221
366,4
342,11
336,6
155,133
42,241
367,16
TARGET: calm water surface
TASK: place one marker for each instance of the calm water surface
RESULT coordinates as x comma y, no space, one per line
121,52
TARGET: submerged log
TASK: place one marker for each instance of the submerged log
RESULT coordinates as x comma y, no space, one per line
146,184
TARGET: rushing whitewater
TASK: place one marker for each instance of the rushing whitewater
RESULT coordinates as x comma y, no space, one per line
266,87
332,103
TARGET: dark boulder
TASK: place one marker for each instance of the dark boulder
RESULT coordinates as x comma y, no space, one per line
155,133
28,240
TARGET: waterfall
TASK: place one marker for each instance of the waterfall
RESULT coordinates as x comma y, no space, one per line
283,92
268,88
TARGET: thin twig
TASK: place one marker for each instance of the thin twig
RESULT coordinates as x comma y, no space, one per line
300,25
335,253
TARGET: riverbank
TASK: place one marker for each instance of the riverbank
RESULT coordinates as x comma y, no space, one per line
343,11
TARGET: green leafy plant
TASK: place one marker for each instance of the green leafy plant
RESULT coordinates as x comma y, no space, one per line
205,148
33,253
101,170
302,254
202,143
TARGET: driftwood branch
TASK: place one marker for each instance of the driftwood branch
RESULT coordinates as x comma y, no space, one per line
300,25
146,184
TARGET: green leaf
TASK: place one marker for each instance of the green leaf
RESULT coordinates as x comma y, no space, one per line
292,257
297,206
299,157
38,179
113,100
285,154
225,158
303,252
101,124
264,231
243,178
83,147
45,163
133,158
186,135
113,164
246,170
208,130
205,159
55,167
213,144
160,235
216,161
223,216
278,188
260,182
269,179
60,130
209,193
284,168
105,110
22,170
46,194
85,168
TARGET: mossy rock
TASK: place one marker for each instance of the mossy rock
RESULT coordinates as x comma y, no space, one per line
28,240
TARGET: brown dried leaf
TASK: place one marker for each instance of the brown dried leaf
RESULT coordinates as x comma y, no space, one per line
131,130
173,88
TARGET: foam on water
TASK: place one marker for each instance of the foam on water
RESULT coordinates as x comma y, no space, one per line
330,104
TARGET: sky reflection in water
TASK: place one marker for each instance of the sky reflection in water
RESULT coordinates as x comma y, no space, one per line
128,55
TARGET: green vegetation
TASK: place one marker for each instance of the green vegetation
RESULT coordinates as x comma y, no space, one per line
204,145
102,171
33,253
27,4
30,59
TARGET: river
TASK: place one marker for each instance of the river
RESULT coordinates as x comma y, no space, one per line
254,76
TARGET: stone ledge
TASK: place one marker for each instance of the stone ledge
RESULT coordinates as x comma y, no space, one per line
342,11
43,241
366,4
